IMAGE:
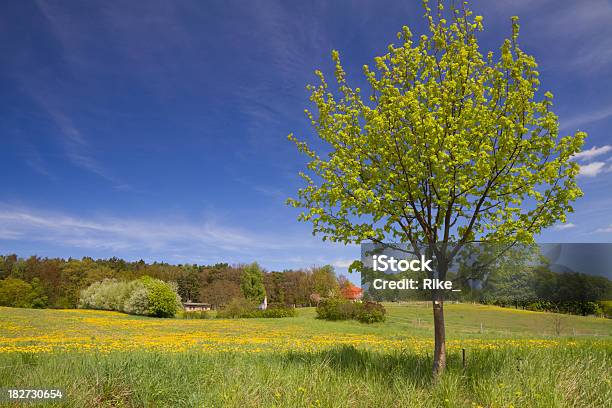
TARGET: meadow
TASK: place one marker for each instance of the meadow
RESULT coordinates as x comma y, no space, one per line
514,358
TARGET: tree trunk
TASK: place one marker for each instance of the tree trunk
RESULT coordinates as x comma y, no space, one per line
439,362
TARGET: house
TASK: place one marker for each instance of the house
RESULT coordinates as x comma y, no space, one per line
351,292
195,307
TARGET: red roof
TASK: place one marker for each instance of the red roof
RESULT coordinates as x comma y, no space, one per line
351,292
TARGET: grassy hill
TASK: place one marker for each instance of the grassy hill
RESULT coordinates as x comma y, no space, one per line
514,358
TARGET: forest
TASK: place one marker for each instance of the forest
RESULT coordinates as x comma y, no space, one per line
57,283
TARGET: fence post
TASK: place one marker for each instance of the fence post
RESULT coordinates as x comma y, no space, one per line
463,357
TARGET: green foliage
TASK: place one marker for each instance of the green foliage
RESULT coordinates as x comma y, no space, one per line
162,298
61,281
236,308
251,283
606,308
18,293
370,312
324,281
334,309
341,309
37,297
449,145
109,294
138,302
577,307
189,282
196,314
145,296
243,308
277,312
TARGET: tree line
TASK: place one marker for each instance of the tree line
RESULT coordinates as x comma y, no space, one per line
57,283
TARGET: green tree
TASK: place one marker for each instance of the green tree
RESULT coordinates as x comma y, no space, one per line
38,299
324,281
274,283
450,146
163,299
189,282
17,293
251,283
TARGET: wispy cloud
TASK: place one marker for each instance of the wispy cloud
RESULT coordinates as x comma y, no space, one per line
580,29
272,192
76,145
342,263
562,227
607,229
593,169
124,233
34,159
592,153
584,119
202,240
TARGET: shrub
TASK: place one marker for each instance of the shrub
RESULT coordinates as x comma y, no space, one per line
145,296
109,294
243,308
162,298
277,312
371,312
577,307
335,309
138,302
340,309
540,306
236,308
606,308
196,314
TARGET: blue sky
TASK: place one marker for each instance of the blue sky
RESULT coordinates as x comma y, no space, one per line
157,129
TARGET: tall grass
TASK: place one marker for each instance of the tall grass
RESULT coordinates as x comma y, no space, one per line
546,369
338,377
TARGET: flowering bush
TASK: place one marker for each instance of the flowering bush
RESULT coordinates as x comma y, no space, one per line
138,302
145,296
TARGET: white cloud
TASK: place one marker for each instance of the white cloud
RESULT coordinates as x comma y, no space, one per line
116,234
342,263
594,151
171,239
605,229
593,169
562,227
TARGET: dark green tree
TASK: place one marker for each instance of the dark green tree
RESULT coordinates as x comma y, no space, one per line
251,283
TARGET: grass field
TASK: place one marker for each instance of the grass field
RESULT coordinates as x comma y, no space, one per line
514,359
